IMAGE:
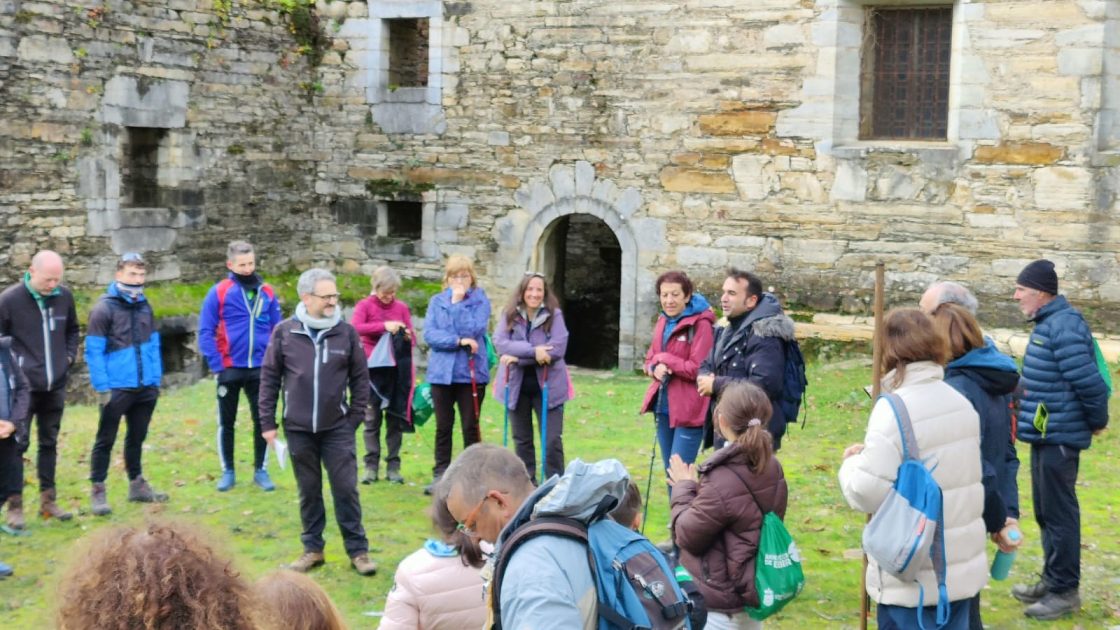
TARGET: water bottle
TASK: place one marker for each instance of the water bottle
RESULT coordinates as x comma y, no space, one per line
1001,566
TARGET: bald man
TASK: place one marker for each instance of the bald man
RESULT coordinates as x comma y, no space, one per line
38,314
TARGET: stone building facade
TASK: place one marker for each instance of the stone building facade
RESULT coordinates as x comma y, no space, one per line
601,142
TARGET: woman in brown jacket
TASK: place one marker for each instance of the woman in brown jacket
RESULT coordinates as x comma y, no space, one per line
716,521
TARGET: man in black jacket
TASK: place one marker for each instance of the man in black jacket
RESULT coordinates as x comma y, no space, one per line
38,314
313,358
751,347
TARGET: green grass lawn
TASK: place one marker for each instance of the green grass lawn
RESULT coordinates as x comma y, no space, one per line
261,531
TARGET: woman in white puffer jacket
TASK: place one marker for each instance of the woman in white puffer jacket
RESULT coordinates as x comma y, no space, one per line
438,587
947,430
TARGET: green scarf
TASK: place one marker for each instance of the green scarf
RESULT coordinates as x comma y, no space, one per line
40,299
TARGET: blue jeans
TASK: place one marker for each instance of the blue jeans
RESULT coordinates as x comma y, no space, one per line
903,618
683,441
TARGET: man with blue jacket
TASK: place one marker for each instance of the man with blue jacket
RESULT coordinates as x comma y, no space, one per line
125,368
237,318
1064,402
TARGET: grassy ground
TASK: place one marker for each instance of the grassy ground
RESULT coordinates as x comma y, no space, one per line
262,530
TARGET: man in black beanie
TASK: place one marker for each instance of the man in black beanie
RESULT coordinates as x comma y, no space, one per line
1064,402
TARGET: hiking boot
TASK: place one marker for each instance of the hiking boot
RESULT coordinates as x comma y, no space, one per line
49,509
1054,606
98,501
1030,593
363,565
227,480
428,489
309,560
15,512
370,476
263,481
141,491
394,475
5,570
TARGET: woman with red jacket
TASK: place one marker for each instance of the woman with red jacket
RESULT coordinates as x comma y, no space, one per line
682,339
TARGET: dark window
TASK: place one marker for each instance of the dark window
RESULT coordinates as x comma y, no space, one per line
408,53
905,83
406,219
140,167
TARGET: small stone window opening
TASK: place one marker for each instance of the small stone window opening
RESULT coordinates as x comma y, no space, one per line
408,52
904,85
140,167
405,219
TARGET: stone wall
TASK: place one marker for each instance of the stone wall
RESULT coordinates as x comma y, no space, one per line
703,133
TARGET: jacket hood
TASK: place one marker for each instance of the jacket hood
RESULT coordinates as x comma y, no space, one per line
916,372
696,304
995,372
768,320
1059,303
576,494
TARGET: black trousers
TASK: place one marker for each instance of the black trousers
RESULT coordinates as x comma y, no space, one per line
335,451
521,426
1053,489
46,410
375,418
444,400
11,468
136,405
231,382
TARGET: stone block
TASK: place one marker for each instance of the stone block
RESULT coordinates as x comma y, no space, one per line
498,138
1080,61
850,183
704,257
1023,153
41,48
690,41
1062,188
754,176
738,123
677,179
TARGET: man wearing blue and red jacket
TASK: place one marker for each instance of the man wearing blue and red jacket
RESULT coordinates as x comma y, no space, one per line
236,322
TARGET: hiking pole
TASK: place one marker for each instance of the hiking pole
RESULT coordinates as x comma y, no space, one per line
649,477
876,376
544,420
505,426
474,395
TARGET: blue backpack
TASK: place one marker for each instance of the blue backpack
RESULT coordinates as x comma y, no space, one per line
794,382
637,589
908,530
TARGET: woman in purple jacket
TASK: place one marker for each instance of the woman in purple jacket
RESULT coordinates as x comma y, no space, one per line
532,339
458,368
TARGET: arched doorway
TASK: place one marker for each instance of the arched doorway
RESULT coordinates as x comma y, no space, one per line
582,259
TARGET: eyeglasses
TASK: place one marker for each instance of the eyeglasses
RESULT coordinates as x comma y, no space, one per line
330,297
467,524
461,276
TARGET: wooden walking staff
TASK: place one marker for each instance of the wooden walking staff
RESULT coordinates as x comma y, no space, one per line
876,377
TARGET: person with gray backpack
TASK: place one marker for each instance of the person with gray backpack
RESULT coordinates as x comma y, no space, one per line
922,430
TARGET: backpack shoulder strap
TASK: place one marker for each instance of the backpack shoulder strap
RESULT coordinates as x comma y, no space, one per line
552,526
905,427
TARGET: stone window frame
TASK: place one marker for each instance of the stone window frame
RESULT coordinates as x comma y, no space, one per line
427,216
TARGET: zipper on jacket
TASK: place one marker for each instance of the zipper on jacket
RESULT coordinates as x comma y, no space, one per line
254,309
48,324
315,384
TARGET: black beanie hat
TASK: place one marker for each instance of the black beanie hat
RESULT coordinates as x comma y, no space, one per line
1039,275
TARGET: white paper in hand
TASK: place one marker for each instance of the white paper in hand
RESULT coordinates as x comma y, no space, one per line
281,450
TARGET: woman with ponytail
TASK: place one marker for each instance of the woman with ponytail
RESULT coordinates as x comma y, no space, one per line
716,520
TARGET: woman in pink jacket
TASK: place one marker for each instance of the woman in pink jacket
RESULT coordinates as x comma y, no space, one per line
438,587
682,339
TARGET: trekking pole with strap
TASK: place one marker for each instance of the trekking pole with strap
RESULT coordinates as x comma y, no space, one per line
474,389
652,454
544,421
505,426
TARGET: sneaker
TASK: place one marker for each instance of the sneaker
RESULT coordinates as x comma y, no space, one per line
98,501
48,508
5,570
263,481
15,512
363,565
1030,593
141,491
394,476
370,476
1054,606
227,481
309,560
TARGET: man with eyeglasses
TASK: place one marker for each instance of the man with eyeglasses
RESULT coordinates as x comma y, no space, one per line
125,369
234,326
312,359
38,313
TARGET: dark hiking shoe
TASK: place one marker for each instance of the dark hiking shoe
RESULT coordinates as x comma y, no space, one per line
309,560
370,476
15,512
49,509
141,491
394,475
363,565
1030,593
98,501
1054,606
